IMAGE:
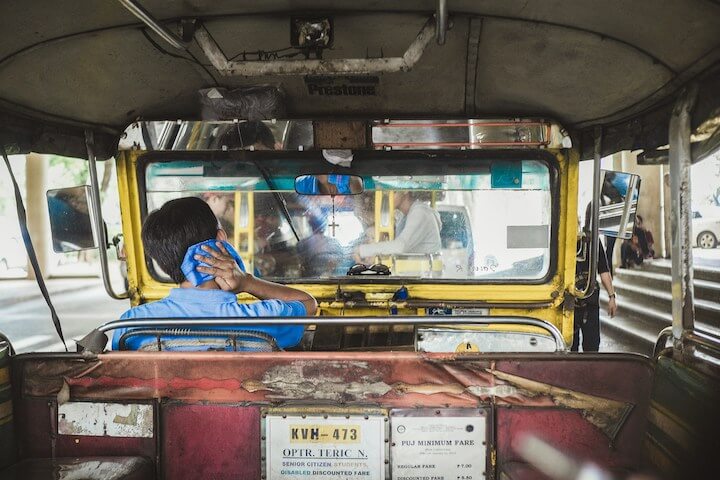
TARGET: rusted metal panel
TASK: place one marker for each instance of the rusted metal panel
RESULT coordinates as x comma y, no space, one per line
38,436
90,468
390,379
340,134
222,441
385,379
566,431
600,404
98,419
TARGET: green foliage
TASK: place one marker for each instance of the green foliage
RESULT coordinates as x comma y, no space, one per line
66,172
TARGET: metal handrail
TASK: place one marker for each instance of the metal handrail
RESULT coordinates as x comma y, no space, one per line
234,335
703,339
391,320
661,341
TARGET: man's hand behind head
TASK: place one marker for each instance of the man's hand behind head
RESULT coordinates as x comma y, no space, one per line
230,278
224,268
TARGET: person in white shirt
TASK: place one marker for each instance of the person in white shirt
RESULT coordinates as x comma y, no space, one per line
418,231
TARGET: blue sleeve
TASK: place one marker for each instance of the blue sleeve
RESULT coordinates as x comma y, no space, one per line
295,309
279,308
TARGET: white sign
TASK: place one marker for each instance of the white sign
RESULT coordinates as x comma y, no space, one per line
332,448
438,448
105,419
471,311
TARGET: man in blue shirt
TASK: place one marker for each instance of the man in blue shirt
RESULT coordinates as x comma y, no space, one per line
168,234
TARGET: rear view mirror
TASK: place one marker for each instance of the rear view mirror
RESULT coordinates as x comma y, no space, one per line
70,220
329,184
618,203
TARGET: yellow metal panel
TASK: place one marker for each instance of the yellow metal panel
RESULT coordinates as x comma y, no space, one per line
245,231
384,231
144,288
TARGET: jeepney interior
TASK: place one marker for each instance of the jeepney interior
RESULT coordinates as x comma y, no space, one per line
443,364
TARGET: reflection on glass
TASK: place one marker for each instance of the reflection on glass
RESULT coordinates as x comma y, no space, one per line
70,220
618,203
485,233
328,184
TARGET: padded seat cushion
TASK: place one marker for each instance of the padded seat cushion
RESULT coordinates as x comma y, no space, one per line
86,468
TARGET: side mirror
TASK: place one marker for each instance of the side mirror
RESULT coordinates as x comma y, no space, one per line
329,184
70,220
618,203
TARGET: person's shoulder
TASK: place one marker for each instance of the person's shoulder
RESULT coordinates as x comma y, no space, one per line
422,207
145,310
277,308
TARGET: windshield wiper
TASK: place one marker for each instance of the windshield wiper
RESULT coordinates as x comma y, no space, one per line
276,195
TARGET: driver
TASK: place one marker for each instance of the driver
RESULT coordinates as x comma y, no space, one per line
178,226
417,232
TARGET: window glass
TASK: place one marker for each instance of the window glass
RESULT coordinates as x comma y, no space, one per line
455,221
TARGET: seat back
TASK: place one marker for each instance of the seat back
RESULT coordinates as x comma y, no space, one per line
682,438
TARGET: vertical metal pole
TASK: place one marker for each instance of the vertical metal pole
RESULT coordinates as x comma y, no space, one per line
595,244
683,309
97,217
594,219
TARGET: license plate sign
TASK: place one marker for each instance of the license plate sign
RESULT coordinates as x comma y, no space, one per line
301,447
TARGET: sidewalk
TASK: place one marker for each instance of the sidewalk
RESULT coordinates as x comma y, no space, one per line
17,291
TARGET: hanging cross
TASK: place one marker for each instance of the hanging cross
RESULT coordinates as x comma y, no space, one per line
333,224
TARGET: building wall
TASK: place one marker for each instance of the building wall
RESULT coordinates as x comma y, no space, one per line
653,205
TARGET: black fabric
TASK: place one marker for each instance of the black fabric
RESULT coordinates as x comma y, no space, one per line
587,313
22,220
642,241
587,322
584,266
629,256
609,252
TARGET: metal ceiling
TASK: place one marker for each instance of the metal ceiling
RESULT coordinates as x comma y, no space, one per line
68,65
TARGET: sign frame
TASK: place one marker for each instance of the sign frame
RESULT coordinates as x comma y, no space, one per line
451,412
323,412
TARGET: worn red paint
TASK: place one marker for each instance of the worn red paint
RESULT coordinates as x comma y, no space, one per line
209,402
210,441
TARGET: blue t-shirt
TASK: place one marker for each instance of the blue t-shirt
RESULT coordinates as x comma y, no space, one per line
309,184
188,303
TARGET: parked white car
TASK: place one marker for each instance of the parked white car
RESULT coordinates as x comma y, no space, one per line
706,228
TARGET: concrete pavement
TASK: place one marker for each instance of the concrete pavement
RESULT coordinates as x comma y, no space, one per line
81,304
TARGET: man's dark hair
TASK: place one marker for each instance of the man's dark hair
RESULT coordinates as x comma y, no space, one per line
169,231
639,218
